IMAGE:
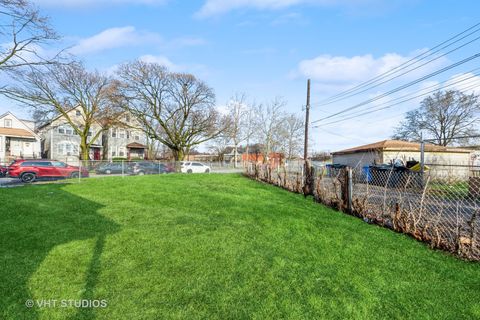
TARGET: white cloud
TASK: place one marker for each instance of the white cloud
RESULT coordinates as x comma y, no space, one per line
467,83
342,70
114,38
118,37
162,60
218,7
90,3
196,69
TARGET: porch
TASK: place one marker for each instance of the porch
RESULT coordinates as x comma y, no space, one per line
136,150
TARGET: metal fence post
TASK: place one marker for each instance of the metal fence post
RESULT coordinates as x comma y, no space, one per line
350,189
123,168
80,172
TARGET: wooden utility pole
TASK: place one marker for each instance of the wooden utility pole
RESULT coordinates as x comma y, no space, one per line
307,116
308,172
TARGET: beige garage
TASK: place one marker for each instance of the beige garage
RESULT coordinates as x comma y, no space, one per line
443,161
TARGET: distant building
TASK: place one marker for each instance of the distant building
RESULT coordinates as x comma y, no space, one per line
274,158
126,141
61,142
444,160
18,139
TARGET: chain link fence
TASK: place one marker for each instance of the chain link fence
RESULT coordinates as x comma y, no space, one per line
440,206
40,170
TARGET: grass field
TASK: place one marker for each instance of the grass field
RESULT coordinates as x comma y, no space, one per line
214,247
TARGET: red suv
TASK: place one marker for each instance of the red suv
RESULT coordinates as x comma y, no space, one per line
31,170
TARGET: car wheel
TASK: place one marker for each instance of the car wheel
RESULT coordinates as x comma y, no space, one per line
74,175
28,177
189,171
207,171
108,171
141,173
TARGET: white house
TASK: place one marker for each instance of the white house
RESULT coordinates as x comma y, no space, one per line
18,139
61,142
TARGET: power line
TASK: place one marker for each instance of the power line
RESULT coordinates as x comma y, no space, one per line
401,87
436,86
391,105
397,76
404,65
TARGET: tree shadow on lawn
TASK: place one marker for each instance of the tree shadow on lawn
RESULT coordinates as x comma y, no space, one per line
33,221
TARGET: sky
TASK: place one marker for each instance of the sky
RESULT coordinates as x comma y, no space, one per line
269,48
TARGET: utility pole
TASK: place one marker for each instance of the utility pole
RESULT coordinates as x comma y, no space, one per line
307,116
307,172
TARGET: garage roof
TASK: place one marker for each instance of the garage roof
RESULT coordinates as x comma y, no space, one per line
398,145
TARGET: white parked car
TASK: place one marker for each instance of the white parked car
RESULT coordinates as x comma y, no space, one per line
194,167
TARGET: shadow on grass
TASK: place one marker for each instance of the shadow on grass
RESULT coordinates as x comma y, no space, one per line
33,221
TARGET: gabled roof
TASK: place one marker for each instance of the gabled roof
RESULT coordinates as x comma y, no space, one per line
46,124
17,133
27,129
398,145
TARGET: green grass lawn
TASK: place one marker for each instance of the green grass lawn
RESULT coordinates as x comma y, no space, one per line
214,247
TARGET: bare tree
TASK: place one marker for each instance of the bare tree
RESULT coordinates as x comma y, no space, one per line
176,109
220,145
249,126
238,112
23,32
57,89
291,132
444,116
268,121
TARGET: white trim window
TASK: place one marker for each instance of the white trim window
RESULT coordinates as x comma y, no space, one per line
114,133
66,129
7,123
121,152
66,148
121,133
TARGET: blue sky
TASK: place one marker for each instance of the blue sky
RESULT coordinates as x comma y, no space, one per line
269,48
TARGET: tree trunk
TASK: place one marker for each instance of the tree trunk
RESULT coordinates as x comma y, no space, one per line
84,152
179,155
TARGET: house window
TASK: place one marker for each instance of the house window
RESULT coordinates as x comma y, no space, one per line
69,131
78,113
8,123
114,133
65,149
121,133
61,130
121,152
27,144
128,134
127,118
90,133
137,138
114,153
